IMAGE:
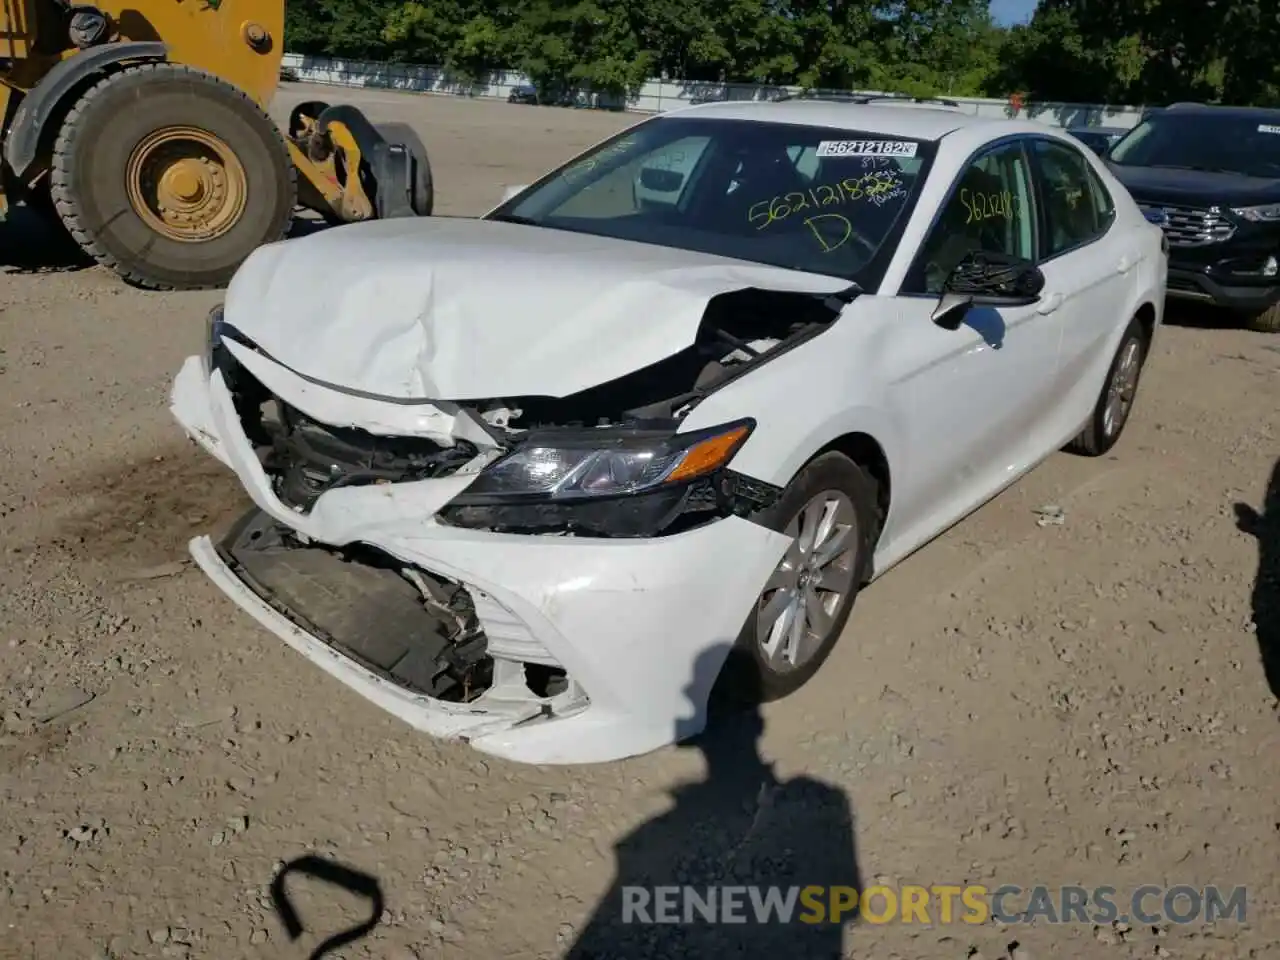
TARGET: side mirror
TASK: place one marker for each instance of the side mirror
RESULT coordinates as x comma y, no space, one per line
951,310
509,192
660,181
987,279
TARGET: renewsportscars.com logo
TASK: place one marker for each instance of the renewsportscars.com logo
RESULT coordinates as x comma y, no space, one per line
942,903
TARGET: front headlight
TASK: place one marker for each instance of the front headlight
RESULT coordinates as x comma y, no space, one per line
604,463
1267,213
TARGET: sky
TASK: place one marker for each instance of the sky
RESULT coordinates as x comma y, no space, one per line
1005,12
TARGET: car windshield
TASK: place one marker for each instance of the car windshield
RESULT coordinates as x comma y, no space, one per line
1230,143
805,198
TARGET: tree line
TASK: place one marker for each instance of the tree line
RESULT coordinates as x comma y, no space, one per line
1108,51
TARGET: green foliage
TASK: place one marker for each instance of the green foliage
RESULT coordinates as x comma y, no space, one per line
1140,51
1146,51
339,28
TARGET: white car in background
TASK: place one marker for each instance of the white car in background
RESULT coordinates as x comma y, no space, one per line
544,479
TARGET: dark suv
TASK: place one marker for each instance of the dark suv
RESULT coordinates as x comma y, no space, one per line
1097,139
1210,176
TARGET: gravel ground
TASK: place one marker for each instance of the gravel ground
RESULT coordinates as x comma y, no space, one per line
1074,703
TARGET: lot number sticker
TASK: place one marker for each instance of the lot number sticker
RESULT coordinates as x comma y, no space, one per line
1268,128
867,148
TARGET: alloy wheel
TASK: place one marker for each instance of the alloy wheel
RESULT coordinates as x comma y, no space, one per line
803,595
1123,387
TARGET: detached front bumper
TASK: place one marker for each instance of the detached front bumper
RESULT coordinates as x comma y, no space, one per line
641,627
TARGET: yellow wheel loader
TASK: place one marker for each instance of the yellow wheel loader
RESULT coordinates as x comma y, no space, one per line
142,126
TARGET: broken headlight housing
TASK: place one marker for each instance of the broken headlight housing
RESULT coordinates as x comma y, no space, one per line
212,336
608,482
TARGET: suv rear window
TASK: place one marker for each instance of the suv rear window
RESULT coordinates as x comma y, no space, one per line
801,197
1227,142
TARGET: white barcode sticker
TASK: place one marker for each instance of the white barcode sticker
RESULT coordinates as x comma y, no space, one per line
867,148
1268,128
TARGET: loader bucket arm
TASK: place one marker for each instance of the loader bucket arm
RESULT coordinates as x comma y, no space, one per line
142,127
357,170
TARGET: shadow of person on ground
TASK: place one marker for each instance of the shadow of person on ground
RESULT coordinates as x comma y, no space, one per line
740,826
1265,528
35,241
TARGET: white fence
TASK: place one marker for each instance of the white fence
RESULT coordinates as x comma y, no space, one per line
656,96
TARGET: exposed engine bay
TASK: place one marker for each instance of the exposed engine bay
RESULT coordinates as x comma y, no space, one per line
739,331
307,457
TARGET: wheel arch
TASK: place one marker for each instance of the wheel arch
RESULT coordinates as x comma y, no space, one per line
1146,315
782,445
866,451
38,116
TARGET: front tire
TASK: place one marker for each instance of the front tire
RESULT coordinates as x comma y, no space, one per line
831,512
1119,390
171,177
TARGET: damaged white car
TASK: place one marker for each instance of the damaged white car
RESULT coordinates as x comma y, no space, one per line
541,480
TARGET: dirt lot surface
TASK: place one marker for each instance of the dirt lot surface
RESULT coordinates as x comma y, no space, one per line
1076,703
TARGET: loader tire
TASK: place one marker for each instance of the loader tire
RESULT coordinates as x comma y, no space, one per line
421,189
171,177
39,201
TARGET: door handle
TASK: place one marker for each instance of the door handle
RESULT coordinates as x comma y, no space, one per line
1124,266
1049,303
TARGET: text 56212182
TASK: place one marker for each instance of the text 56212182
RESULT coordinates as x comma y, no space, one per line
867,148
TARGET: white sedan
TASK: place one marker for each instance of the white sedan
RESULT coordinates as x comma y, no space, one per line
545,480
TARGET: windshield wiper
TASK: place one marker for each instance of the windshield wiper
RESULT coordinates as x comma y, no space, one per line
514,218
842,298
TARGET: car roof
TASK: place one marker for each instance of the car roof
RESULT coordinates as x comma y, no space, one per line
1243,113
913,120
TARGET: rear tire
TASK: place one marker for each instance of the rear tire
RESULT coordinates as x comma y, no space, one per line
752,675
1268,321
1119,392
171,177
421,190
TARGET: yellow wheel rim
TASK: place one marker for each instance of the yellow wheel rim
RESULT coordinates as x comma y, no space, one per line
186,184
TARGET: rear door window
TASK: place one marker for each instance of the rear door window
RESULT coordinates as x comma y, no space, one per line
1077,207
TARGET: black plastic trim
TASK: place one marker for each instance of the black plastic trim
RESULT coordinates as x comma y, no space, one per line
22,141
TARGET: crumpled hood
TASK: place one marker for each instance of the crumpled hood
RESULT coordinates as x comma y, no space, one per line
462,309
